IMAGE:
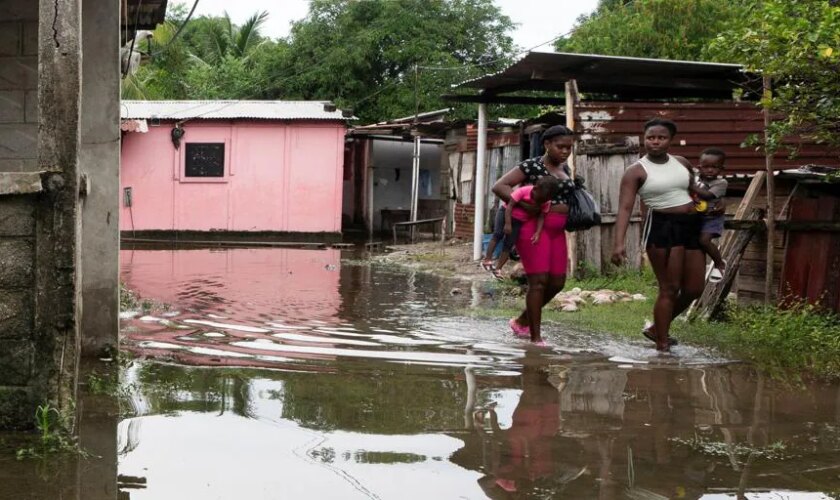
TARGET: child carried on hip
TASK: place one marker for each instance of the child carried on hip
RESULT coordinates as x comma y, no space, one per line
710,190
528,202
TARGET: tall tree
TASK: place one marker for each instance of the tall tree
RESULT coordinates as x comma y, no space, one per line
211,58
797,44
363,55
663,29
215,38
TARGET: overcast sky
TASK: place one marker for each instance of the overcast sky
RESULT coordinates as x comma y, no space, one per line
539,20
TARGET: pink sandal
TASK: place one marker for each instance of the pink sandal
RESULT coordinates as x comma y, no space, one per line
519,330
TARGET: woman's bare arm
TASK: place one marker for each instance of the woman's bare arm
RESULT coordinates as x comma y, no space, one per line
630,182
504,186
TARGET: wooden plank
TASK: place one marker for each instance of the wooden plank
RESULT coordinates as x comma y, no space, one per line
753,284
746,204
714,296
602,174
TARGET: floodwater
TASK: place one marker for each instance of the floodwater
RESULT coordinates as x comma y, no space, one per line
286,373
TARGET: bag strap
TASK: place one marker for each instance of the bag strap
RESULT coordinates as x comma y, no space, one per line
567,170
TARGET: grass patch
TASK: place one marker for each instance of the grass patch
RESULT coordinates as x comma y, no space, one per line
624,280
53,437
791,342
797,342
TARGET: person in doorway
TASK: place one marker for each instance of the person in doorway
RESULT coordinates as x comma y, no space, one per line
672,229
711,189
545,262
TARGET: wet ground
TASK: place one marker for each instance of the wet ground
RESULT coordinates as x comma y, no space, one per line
284,373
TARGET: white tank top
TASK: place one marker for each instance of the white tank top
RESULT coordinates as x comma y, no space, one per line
666,185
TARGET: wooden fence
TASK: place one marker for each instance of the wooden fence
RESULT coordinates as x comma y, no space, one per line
602,163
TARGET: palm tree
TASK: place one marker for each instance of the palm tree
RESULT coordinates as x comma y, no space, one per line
206,45
220,38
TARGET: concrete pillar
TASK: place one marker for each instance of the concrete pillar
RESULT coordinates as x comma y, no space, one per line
100,162
57,254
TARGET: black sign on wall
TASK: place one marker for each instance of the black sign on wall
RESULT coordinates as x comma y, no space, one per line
205,159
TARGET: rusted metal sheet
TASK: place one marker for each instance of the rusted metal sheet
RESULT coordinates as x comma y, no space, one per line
812,259
146,13
727,125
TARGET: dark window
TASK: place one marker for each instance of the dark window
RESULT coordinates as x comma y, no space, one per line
205,159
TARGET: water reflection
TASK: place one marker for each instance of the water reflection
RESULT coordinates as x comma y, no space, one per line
379,389
285,374
92,476
559,430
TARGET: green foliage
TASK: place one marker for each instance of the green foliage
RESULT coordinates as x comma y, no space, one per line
788,343
737,451
128,299
800,338
623,279
666,29
796,44
362,55
212,59
53,437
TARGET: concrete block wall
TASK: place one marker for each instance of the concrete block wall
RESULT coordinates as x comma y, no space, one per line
18,85
18,153
17,309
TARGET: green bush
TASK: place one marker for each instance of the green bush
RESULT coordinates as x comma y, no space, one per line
797,337
788,342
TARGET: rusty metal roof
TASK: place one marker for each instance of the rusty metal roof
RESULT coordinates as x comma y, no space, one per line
151,13
622,77
228,110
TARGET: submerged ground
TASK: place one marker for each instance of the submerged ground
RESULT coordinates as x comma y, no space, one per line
286,373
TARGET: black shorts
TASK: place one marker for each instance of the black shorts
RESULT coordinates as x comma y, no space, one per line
675,230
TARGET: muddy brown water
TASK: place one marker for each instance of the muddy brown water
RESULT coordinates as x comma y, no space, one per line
285,373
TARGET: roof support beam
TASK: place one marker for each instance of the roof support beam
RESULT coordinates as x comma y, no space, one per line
506,99
480,181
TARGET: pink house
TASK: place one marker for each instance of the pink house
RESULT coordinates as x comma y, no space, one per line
267,167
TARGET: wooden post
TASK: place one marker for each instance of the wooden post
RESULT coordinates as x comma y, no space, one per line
770,217
571,102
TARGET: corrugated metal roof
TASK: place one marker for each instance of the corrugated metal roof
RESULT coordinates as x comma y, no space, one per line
228,110
144,14
628,77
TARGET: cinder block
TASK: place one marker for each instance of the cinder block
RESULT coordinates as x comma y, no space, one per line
15,362
30,39
31,106
17,408
19,10
19,141
17,216
16,263
12,105
16,315
11,39
18,73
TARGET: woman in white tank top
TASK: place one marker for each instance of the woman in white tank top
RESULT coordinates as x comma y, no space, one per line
663,183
